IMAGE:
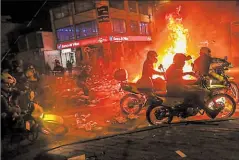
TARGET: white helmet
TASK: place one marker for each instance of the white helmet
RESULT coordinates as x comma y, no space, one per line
7,81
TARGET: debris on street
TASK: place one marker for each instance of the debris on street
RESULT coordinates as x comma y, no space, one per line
180,153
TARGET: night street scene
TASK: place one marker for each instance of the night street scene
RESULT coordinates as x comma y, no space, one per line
119,80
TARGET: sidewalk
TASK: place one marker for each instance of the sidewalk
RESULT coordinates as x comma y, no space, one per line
212,140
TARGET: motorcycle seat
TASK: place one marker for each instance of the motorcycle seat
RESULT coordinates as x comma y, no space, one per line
161,93
165,94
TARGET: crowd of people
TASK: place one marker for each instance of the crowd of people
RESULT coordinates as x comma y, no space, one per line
17,79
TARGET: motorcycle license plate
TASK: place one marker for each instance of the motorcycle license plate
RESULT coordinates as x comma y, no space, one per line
28,125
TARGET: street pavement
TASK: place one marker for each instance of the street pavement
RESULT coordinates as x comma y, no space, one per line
210,141
104,113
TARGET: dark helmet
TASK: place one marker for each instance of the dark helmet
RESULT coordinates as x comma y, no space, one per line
152,54
180,57
17,63
205,50
30,66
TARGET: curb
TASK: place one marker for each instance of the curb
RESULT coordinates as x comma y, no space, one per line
141,130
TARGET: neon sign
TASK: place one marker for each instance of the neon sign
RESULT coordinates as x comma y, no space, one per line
102,39
129,38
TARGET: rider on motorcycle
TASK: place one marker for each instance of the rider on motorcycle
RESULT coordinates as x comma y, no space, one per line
203,62
177,87
9,109
148,71
18,73
32,77
146,84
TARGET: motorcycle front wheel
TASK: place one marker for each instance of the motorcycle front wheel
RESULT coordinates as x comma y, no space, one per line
157,115
224,101
54,129
53,125
235,91
131,104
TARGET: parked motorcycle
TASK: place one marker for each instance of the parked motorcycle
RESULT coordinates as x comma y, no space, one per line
161,113
35,121
223,78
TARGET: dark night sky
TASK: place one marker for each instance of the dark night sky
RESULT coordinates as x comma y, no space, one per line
23,11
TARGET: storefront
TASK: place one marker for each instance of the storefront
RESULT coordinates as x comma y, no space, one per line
110,48
68,54
50,57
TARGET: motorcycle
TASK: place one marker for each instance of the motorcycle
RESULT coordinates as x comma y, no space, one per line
135,99
33,120
161,113
219,73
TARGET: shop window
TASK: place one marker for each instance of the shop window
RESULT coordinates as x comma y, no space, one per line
143,8
144,28
132,6
118,25
65,34
134,26
118,4
86,29
61,12
84,5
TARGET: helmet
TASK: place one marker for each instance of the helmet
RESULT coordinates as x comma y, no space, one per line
180,57
152,54
17,63
205,50
7,81
30,66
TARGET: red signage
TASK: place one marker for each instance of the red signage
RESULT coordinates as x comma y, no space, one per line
129,38
83,42
102,39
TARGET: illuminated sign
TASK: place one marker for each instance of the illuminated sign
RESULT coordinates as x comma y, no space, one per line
103,14
67,50
102,39
130,38
83,42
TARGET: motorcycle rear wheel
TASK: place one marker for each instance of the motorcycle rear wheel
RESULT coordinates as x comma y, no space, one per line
126,109
222,97
162,114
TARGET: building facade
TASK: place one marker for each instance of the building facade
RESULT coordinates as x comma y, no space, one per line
8,31
112,30
37,48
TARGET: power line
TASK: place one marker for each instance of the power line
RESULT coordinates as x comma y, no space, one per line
27,27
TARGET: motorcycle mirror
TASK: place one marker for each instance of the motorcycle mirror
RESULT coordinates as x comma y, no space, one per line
160,66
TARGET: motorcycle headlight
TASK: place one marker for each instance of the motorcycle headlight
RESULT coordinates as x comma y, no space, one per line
42,115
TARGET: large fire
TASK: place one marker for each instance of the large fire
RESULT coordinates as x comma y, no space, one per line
178,43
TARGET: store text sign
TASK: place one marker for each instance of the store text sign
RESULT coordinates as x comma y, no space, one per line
129,38
84,42
102,39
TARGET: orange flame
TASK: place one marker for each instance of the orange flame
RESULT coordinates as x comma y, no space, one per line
178,43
